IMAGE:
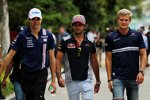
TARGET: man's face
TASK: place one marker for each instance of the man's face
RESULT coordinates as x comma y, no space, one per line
35,22
124,21
78,27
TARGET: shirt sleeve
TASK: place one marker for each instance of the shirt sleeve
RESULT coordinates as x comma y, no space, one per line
62,46
51,43
17,43
93,48
108,43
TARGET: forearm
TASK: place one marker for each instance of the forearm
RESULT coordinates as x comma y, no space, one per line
58,63
5,63
58,68
96,72
7,60
52,64
108,69
9,68
143,60
53,69
94,64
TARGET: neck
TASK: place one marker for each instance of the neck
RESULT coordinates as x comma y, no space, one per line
78,36
35,30
123,31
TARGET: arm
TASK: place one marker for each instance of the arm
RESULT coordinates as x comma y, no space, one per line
61,81
95,67
53,69
143,62
108,62
7,60
8,69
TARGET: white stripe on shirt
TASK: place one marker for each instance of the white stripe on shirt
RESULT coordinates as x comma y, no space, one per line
125,49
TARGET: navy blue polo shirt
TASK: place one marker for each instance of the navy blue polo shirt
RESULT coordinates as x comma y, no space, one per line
34,52
125,53
78,63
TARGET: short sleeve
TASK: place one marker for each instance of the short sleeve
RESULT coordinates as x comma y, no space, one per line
62,46
108,43
17,43
51,43
93,48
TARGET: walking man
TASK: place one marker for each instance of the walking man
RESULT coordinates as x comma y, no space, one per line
80,52
123,48
36,46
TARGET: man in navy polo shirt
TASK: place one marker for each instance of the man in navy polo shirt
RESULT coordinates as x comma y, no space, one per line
37,48
123,47
80,51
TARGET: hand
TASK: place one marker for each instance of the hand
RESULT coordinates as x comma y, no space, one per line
4,84
61,82
96,88
53,85
110,86
140,78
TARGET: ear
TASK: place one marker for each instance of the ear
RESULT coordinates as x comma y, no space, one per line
86,26
71,26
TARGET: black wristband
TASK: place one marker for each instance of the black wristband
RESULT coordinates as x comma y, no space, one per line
142,72
109,80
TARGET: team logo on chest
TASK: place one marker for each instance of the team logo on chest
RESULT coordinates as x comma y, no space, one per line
87,45
71,45
44,38
29,42
132,34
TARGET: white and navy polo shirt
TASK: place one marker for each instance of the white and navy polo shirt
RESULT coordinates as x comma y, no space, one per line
34,52
125,53
78,68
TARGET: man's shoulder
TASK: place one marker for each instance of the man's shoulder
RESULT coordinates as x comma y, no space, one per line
67,37
24,32
134,31
112,34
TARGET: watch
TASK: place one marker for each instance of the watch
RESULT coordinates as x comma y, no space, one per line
109,80
99,82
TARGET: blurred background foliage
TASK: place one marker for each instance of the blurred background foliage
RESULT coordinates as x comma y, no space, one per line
100,14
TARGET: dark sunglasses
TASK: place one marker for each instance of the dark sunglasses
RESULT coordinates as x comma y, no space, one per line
79,51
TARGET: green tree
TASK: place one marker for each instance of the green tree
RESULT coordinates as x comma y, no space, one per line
55,12
102,13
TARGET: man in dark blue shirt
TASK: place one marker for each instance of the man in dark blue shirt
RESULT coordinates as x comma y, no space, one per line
80,50
123,47
37,48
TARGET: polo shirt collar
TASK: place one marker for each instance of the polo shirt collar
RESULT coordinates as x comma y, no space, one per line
30,33
129,32
85,37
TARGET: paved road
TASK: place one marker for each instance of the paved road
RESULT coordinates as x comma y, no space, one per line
104,93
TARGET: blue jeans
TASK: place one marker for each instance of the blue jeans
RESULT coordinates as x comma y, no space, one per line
132,89
18,91
85,87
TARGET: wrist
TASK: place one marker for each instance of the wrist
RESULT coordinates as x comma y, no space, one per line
142,72
98,82
109,80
